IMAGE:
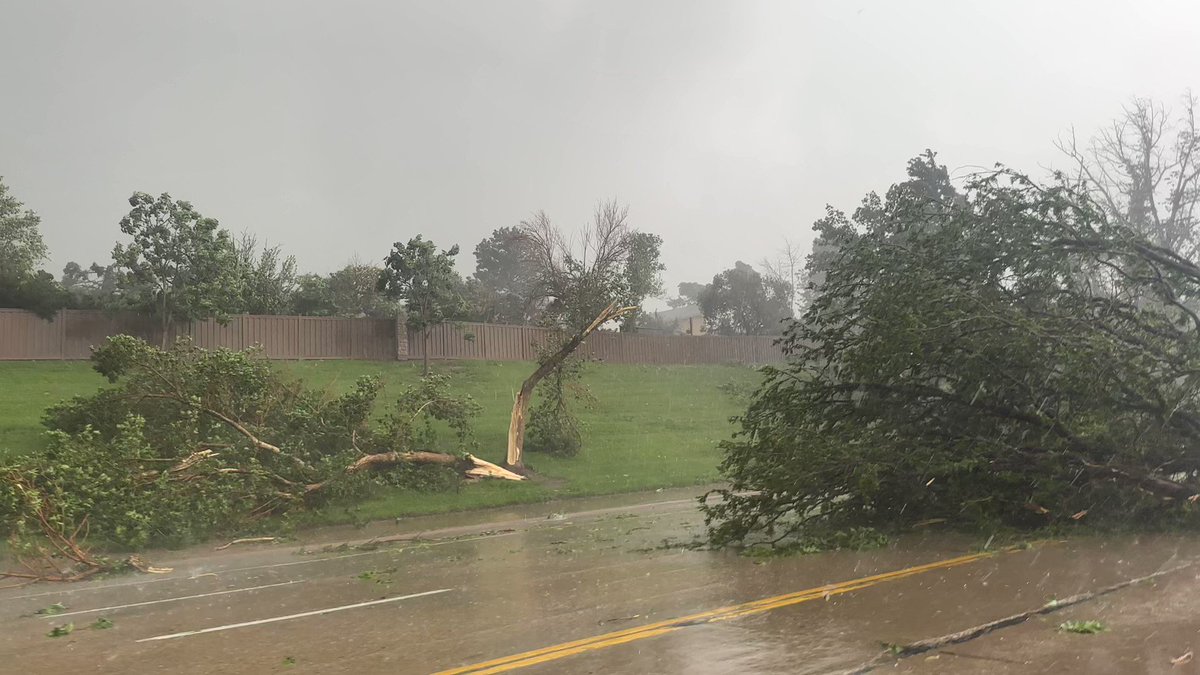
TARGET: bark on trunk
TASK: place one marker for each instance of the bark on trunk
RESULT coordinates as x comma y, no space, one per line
471,466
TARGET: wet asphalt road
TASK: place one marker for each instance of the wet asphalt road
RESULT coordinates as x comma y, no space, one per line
475,588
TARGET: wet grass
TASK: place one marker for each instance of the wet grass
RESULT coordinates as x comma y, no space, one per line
26,389
649,427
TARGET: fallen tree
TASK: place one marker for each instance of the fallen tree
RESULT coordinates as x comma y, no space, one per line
1004,355
189,442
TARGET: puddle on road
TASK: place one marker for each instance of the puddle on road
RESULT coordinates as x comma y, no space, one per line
561,579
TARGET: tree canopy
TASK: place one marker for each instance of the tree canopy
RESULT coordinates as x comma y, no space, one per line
266,278
352,291
179,265
22,284
689,294
20,237
612,263
1007,355
501,289
740,301
1143,170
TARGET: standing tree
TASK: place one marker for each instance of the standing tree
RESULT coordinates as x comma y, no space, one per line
38,293
425,279
740,301
500,289
313,297
787,268
354,291
22,284
20,238
689,294
1144,170
180,265
267,278
90,287
643,275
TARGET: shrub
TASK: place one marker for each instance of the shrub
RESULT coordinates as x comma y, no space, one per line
554,429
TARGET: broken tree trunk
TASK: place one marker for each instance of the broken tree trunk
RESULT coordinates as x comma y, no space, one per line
470,465
474,467
520,412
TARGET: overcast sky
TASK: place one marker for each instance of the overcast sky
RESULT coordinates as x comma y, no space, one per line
337,128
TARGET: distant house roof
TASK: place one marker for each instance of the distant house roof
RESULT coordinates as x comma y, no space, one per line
680,313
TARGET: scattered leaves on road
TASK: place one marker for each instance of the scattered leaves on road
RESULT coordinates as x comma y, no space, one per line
1082,627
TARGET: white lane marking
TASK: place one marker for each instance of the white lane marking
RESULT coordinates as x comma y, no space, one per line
190,578
289,617
233,570
185,597
413,543
533,523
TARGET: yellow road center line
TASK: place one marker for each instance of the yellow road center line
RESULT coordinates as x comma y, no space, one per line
554,652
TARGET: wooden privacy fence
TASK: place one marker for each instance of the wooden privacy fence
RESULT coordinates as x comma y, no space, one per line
70,336
72,333
519,343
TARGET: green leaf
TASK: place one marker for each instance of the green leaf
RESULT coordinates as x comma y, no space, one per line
1082,627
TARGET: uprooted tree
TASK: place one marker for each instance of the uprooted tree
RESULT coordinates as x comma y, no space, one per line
1007,355
190,442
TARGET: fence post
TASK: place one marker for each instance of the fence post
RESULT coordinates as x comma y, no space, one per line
401,331
62,333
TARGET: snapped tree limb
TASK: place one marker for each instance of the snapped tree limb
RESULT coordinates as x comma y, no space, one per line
520,411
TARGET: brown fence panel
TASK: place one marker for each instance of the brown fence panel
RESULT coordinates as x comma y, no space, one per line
278,336
478,341
211,335
475,341
324,337
86,328
24,336
373,339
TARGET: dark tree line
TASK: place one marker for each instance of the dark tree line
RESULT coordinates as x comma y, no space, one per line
177,265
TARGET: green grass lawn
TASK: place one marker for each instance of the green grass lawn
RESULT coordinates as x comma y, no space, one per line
649,427
29,387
